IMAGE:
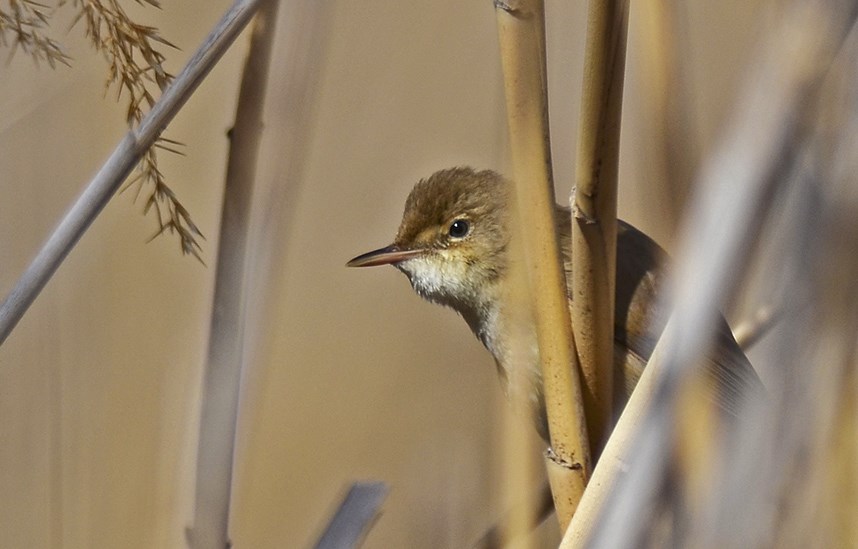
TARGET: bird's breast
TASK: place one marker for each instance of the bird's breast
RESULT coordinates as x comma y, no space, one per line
512,341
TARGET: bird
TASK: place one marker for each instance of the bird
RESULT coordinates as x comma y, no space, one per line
453,244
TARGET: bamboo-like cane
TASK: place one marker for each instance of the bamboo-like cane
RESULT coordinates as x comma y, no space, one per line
521,27
594,210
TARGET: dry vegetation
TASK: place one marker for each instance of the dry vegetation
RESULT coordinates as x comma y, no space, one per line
135,72
786,473
672,472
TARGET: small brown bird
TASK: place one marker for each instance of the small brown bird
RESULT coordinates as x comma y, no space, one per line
453,246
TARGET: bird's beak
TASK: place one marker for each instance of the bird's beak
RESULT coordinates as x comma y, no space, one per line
383,256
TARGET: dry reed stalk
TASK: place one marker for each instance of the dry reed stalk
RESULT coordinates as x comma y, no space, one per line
594,210
222,374
614,460
521,28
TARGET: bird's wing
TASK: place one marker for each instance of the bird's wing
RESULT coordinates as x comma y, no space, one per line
640,317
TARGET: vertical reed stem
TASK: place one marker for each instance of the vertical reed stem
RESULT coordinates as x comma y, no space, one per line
594,210
521,26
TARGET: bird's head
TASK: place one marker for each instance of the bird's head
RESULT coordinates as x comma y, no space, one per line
453,238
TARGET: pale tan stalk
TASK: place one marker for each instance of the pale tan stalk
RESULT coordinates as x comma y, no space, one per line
594,210
522,44
222,375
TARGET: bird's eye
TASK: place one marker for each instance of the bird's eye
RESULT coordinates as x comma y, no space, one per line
459,228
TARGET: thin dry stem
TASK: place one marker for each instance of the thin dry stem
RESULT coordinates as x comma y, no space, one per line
522,41
594,210
222,375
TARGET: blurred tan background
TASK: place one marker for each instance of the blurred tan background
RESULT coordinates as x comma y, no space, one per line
349,376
